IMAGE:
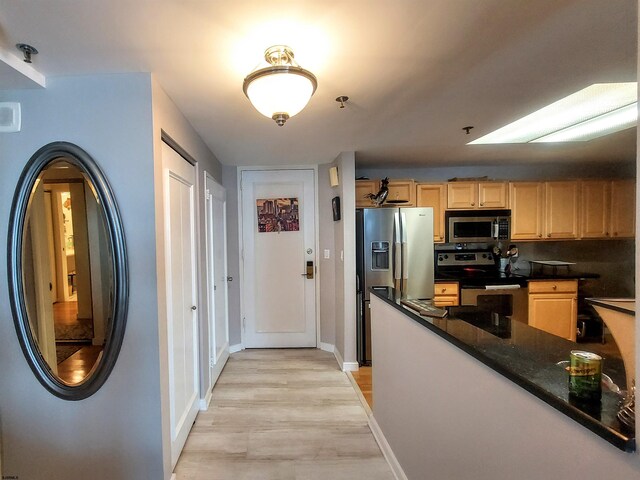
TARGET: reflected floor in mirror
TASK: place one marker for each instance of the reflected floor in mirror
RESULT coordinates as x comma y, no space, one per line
282,414
75,368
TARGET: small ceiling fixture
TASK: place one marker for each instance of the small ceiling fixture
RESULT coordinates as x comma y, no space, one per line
342,99
27,50
592,112
282,89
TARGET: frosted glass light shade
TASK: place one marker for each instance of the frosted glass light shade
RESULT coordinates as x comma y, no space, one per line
592,112
286,92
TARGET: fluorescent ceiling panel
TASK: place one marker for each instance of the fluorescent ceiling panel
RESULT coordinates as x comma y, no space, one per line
597,110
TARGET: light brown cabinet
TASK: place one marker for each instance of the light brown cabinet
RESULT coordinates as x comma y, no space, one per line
546,210
595,201
553,307
525,201
446,294
433,195
363,189
402,193
561,210
476,195
623,208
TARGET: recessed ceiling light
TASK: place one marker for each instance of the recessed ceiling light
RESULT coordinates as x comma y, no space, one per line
592,112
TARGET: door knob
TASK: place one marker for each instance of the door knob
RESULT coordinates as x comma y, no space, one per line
193,307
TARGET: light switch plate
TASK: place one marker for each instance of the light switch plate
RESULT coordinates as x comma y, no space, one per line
327,254
10,118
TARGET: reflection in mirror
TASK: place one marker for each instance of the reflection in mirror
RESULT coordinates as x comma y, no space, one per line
67,273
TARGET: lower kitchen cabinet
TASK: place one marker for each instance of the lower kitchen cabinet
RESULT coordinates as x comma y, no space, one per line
553,307
446,294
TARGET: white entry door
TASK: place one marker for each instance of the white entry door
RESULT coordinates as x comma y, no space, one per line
278,236
216,233
179,178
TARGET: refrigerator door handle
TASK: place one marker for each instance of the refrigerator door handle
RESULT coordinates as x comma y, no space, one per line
404,247
397,248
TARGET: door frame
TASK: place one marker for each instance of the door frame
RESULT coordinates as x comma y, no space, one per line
316,240
215,362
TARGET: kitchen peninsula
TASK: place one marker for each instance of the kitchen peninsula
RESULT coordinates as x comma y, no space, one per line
479,399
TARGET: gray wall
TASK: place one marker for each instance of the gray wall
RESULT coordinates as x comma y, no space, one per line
327,267
345,268
169,121
542,172
116,433
448,416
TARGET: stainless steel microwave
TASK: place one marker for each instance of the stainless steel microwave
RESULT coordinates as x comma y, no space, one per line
477,226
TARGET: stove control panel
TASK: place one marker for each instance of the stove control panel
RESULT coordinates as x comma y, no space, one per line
466,258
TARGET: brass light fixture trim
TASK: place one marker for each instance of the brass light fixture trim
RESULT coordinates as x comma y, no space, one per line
281,60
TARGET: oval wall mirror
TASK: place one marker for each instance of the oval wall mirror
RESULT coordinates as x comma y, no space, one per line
68,278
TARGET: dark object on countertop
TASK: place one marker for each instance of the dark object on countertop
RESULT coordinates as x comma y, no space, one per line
380,197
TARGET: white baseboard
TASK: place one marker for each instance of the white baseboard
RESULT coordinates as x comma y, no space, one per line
345,366
386,450
204,402
336,354
327,347
350,366
236,348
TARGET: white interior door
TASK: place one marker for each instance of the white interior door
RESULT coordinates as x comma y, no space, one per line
278,235
182,327
216,233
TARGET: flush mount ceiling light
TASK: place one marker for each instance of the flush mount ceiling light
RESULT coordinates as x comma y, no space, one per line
282,89
595,111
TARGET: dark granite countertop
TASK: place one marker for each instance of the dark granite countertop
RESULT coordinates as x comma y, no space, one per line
527,356
522,276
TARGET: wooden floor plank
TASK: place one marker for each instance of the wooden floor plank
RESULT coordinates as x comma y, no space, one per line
282,414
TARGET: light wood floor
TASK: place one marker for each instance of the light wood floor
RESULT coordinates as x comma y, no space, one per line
286,415
363,379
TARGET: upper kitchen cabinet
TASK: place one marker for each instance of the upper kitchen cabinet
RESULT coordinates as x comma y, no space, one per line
363,189
525,201
595,200
561,210
546,210
476,195
608,209
433,195
623,208
402,193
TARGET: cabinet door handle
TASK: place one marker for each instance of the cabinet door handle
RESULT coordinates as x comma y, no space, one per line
548,235
539,235
444,290
555,287
606,234
473,204
615,234
481,204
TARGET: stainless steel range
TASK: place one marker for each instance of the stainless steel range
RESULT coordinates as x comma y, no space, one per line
482,284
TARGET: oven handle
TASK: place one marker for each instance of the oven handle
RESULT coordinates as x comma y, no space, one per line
501,287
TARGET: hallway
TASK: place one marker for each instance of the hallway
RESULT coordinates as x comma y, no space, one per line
282,414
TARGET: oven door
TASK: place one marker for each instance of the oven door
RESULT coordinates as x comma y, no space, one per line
508,300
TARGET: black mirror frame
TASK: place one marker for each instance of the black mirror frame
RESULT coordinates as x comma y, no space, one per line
115,335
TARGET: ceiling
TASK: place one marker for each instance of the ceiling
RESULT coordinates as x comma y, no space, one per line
416,71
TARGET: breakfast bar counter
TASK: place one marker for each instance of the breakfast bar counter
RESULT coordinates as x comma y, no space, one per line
530,358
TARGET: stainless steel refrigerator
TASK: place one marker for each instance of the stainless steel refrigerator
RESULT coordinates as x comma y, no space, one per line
394,249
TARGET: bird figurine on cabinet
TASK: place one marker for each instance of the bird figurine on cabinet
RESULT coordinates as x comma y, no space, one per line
380,197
